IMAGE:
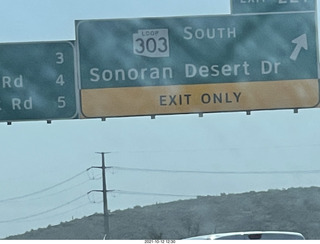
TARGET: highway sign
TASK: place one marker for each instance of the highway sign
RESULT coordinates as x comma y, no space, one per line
269,6
197,64
37,81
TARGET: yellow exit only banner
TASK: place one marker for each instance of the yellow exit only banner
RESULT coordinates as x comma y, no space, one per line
156,100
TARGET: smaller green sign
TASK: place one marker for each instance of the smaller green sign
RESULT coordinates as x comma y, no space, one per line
271,6
37,81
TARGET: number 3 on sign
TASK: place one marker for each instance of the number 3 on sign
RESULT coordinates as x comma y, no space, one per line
153,43
60,59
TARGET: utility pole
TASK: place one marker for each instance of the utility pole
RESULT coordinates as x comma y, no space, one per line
105,200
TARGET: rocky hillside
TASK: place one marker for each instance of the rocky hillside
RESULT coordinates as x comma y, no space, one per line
294,209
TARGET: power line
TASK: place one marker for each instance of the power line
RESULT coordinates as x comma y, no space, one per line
217,172
43,190
59,214
47,189
41,213
61,191
240,147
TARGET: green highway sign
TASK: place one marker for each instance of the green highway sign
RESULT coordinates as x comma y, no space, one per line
37,81
269,6
172,65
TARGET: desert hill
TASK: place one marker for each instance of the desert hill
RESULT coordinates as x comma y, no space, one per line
294,209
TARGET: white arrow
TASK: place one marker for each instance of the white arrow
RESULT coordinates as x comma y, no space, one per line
301,42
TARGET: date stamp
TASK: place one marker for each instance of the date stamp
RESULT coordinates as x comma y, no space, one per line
159,241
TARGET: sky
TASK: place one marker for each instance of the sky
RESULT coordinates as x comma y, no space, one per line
43,171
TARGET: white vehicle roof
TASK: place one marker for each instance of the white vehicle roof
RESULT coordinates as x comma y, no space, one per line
251,235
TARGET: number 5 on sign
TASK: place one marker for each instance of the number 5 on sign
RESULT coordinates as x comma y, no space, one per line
153,43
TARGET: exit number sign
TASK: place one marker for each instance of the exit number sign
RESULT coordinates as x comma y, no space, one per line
269,6
37,81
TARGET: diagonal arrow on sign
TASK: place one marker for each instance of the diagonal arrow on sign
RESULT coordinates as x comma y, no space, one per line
301,42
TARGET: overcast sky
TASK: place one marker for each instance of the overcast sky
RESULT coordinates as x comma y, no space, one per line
43,166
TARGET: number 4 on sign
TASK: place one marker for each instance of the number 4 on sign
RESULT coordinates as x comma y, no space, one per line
60,80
